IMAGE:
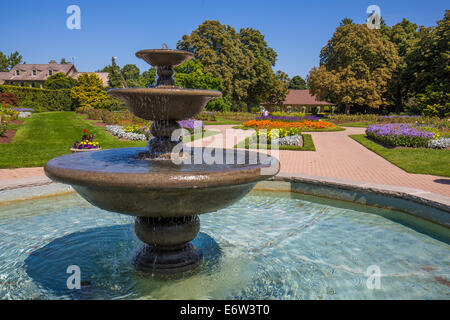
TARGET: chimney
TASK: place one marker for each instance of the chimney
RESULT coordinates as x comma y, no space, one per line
52,62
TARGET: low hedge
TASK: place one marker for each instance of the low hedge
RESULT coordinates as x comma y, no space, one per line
50,100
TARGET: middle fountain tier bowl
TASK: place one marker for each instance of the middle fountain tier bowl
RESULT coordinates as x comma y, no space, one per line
165,197
165,193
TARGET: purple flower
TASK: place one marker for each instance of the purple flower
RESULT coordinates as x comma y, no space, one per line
191,124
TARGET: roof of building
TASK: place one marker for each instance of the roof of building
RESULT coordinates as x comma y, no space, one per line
43,72
303,97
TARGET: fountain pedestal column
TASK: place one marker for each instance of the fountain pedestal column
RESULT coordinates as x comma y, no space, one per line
167,248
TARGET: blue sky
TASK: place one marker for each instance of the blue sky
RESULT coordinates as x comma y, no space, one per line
297,30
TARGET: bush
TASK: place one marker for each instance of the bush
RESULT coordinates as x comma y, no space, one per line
50,100
112,104
93,114
59,81
28,104
8,112
206,116
221,105
3,126
289,114
9,98
89,90
436,110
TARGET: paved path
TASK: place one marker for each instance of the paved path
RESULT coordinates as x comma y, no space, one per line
340,157
337,156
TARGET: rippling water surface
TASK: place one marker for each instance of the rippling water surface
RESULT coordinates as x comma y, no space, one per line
266,246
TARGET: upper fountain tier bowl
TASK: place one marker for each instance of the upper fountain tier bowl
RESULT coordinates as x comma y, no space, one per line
164,57
164,103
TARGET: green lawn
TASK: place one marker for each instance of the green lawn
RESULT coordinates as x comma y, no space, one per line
222,121
356,124
46,135
308,145
417,160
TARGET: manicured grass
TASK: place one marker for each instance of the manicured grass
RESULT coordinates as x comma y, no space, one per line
221,121
356,124
46,135
308,145
412,160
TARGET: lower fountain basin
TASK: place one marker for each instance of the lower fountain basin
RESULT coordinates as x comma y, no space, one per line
269,245
117,180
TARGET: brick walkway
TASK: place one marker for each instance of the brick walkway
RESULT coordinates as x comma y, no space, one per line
340,157
337,156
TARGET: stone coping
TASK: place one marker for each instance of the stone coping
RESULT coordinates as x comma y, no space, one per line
421,196
427,205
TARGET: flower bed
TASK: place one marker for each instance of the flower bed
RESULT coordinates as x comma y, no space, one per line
192,125
376,119
87,142
288,118
145,130
304,125
404,135
119,132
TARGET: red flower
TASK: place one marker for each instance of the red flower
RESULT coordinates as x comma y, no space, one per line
85,130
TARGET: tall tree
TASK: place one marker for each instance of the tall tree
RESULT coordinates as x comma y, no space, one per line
147,78
14,58
404,35
356,65
346,21
63,61
115,76
8,62
428,72
130,74
297,83
219,49
191,75
280,88
3,62
242,60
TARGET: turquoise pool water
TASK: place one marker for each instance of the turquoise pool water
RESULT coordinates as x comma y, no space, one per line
266,246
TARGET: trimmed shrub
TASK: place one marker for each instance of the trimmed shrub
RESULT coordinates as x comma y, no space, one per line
3,125
112,104
28,104
49,100
9,98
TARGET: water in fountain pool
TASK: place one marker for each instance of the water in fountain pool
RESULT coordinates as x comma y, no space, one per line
266,246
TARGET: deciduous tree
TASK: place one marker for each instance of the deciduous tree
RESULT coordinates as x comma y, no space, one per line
297,83
356,65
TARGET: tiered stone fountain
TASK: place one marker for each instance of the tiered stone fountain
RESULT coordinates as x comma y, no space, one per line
165,197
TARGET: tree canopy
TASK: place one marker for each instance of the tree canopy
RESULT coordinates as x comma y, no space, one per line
242,60
427,71
8,62
59,81
298,83
355,67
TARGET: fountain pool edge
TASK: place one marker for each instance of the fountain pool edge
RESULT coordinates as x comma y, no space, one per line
423,204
